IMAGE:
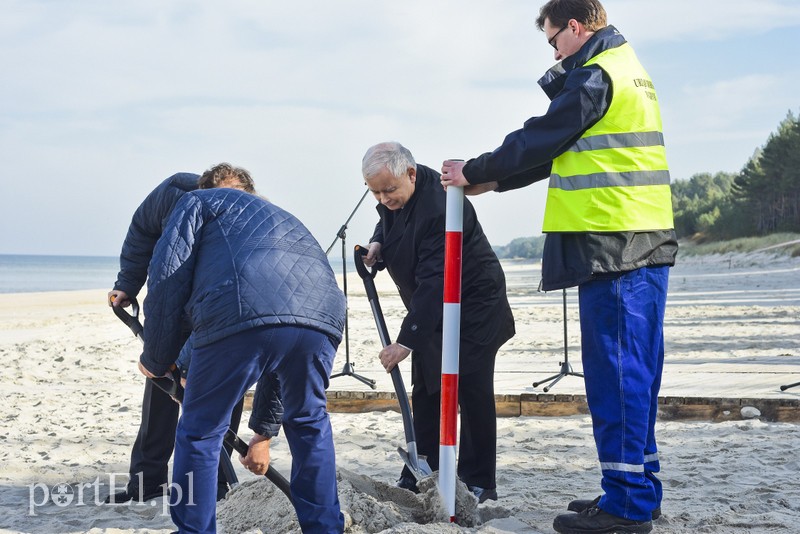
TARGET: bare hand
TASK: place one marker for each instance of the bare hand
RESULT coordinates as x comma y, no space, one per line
373,254
118,298
145,371
393,354
257,459
451,173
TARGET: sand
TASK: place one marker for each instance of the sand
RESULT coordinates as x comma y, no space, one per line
71,398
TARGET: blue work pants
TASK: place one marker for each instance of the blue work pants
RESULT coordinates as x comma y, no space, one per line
219,376
622,342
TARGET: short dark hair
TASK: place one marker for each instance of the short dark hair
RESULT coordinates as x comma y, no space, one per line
219,175
590,13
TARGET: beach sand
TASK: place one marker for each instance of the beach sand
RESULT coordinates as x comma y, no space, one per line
71,397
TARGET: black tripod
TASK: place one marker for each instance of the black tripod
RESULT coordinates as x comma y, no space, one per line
349,368
784,388
566,368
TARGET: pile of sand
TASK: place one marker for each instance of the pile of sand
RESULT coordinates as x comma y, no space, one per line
370,506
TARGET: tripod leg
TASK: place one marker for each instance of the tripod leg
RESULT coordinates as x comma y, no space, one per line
548,379
560,376
349,370
566,368
368,381
784,388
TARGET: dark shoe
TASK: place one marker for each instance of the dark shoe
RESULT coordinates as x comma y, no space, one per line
132,494
483,494
595,520
408,483
579,505
222,490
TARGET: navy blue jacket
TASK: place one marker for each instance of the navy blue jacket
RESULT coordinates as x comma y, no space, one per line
146,226
234,261
580,96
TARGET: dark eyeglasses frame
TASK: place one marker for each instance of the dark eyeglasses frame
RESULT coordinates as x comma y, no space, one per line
552,40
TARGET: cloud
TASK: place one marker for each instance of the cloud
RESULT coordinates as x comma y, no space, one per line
645,23
110,98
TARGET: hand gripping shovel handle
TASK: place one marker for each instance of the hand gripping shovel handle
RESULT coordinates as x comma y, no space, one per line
419,467
173,388
170,386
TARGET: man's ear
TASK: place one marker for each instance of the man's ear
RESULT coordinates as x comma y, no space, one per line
412,174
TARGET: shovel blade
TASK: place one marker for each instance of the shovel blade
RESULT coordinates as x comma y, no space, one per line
418,465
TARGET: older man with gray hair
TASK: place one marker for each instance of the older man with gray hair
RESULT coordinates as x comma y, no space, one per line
409,241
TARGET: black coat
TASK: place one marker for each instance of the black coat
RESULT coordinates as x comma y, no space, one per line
412,241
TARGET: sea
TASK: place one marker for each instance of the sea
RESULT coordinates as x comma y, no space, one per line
21,273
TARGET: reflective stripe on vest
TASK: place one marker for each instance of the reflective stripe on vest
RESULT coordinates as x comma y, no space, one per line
615,177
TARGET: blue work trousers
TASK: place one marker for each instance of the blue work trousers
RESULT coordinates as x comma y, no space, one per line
622,342
219,376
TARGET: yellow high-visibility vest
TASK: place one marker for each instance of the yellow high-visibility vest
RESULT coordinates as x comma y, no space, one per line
615,177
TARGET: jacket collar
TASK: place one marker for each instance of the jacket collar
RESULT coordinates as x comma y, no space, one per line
554,79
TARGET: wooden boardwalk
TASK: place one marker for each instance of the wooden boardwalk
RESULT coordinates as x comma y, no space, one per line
732,338
717,393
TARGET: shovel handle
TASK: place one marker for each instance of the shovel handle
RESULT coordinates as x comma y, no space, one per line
361,268
383,332
130,319
272,474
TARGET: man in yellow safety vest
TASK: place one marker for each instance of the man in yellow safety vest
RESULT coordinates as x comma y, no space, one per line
609,231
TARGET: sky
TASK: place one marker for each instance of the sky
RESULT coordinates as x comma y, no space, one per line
101,101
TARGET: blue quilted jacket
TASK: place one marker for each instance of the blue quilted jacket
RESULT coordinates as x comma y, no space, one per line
234,261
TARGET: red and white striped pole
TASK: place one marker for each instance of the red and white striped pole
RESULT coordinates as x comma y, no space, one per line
451,334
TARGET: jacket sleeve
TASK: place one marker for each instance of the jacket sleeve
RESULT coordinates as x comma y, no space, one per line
267,406
143,233
424,317
583,101
525,178
169,284
377,235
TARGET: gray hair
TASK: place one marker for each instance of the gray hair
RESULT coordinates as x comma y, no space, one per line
391,155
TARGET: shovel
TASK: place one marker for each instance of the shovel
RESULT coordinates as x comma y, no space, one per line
416,464
172,387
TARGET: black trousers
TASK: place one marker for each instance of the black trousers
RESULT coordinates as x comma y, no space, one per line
156,439
477,448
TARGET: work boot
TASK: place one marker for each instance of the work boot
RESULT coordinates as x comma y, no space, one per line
133,494
579,505
594,520
483,494
408,483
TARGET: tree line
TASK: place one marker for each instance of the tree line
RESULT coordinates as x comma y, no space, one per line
763,198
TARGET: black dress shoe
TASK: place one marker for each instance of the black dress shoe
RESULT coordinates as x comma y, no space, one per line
594,520
483,494
408,483
133,494
579,505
